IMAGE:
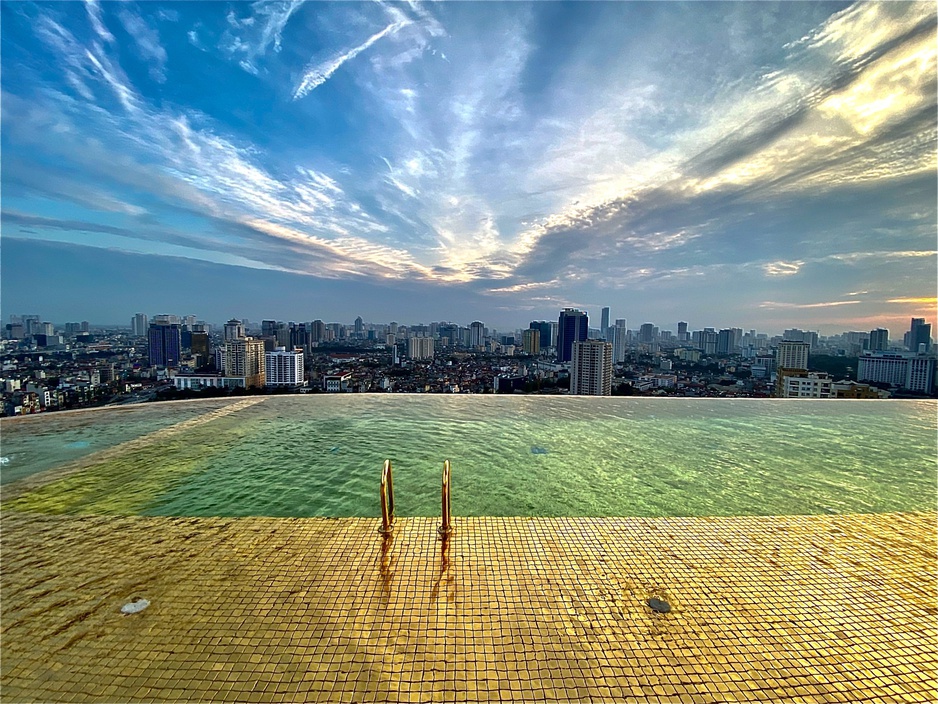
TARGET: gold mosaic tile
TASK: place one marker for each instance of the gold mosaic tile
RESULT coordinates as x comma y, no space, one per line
810,609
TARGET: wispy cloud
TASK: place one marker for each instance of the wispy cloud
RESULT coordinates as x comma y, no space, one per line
826,304
929,300
147,41
318,73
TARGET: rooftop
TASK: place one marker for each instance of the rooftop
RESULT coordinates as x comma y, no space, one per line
810,609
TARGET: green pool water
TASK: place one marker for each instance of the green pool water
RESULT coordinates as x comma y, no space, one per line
320,455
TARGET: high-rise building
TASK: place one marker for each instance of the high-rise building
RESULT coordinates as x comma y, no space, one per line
591,368
727,341
268,328
420,348
476,334
545,330
234,330
198,344
646,333
531,341
792,355
620,336
706,340
879,340
139,325
317,331
245,358
283,368
919,334
573,326
682,332
915,372
604,322
796,335
359,326
165,344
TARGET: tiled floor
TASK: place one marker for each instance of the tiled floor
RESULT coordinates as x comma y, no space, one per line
808,609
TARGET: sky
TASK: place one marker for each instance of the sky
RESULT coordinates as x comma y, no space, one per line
745,164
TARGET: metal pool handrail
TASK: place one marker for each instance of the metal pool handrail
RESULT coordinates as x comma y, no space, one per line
387,499
446,528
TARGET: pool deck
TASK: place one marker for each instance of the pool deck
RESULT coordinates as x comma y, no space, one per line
794,609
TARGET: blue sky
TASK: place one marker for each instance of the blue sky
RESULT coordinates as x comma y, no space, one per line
740,164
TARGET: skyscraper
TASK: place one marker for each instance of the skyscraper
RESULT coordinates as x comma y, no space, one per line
531,341
647,332
165,344
420,348
546,334
919,334
591,368
234,330
879,340
604,322
139,325
573,326
792,355
245,358
619,336
359,326
682,331
476,334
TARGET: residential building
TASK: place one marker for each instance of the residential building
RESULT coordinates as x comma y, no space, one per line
476,335
803,384
682,332
420,348
619,336
245,358
284,368
573,326
139,325
591,368
792,355
531,342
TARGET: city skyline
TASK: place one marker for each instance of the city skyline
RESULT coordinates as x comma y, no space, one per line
750,165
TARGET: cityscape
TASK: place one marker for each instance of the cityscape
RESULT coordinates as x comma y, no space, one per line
49,367
395,351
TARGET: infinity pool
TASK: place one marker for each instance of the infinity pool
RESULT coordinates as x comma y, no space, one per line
319,455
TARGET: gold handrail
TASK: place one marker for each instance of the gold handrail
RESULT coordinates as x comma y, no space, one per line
387,499
446,528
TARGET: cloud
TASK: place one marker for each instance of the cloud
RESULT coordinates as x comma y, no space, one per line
147,41
318,73
827,304
248,39
931,300
782,268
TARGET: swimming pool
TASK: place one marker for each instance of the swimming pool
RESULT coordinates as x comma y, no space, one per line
319,455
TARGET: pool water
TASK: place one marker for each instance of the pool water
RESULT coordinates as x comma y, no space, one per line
320,455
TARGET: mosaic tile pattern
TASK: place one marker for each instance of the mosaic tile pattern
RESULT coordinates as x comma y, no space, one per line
795,609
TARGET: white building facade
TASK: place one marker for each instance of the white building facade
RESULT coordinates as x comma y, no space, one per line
792,355
284,367
907,371
420,348
591,368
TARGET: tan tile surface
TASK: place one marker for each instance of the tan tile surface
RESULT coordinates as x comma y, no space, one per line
801,609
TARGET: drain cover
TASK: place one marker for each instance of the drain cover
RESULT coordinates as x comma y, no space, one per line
662,607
